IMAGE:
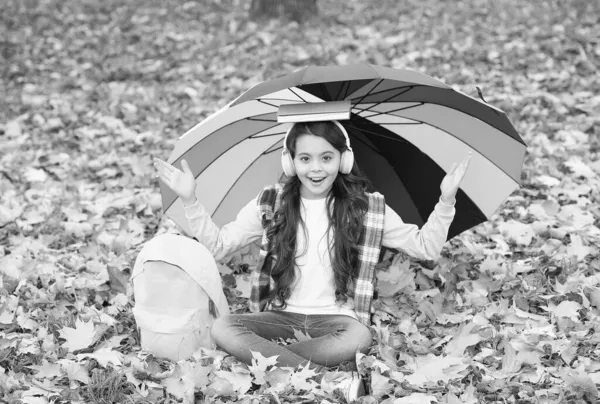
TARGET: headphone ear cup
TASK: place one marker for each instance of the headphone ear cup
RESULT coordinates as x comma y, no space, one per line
287,164
347,161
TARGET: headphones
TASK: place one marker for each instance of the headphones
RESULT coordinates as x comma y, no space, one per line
346,162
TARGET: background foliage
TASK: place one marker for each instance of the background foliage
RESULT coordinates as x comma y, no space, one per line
92,90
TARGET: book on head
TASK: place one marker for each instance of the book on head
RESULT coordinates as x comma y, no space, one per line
314,111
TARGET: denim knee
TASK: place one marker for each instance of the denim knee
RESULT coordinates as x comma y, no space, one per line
221,330
361,336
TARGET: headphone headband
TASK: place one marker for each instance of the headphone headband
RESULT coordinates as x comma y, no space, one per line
339,125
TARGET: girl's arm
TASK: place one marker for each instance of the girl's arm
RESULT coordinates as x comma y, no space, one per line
220,242
245,229
425,243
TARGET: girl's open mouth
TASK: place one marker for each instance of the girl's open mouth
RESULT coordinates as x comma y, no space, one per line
317,180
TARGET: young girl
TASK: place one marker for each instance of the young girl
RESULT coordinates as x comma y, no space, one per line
321,235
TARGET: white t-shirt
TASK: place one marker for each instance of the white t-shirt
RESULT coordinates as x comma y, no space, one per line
313,290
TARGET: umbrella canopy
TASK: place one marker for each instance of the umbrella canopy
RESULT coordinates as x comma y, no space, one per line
406,130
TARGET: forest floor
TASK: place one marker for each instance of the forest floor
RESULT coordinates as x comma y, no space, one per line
93,90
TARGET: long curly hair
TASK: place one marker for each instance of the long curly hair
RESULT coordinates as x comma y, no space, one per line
347,204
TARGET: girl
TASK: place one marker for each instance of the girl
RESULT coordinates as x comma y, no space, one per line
321,234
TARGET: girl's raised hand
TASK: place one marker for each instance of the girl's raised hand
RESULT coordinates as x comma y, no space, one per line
452,180
182,183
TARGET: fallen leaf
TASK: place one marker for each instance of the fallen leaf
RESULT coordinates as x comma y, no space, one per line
79,337
299,380
466,336
380,385
433,369
240,382
300,336
416,398
46,370
565,308
104,357
520,233
74,371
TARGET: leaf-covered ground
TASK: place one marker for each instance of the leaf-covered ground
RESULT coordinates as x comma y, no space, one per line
91,90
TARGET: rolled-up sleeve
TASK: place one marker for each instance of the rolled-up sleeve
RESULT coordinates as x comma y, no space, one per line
424,243
245,229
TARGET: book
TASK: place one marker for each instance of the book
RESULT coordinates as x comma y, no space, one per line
314,111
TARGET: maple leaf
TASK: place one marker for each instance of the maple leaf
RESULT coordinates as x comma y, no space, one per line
43,391
219,387
578,379
299,380
200,375
278,379
431,368
416,398
518,232
467,397
46,370
595,297
82,336
397,277
74,371
565,308
259,366
104,356
242,283
240,382
380,384
8,305
118,279
261,362
463,339
579,168
181,385
300,336
577,249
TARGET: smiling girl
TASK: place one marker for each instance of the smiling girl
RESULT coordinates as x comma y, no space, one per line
321,233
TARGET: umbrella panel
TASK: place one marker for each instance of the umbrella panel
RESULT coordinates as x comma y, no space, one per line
409,179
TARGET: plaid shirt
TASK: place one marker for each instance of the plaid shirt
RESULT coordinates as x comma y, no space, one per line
369,247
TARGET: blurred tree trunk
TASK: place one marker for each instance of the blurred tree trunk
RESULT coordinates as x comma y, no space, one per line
297,10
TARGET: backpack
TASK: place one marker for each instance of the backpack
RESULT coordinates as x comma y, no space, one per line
178,295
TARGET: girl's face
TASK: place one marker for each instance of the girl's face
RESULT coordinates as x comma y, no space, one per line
317,165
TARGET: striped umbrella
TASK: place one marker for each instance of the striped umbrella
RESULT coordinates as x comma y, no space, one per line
406,130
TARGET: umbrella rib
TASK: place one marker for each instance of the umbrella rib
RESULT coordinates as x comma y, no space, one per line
420,104
259,120
520,141
449,133
257,136
396,138
272,151
262,100
238,179
325,91
369,92
368,145
393,88
346,84
389,98
297,95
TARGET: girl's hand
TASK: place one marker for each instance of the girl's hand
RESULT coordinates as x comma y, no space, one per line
452,180
182,183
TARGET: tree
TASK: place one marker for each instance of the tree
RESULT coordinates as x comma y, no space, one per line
296,10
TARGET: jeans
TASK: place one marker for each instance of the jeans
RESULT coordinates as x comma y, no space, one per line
334,338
